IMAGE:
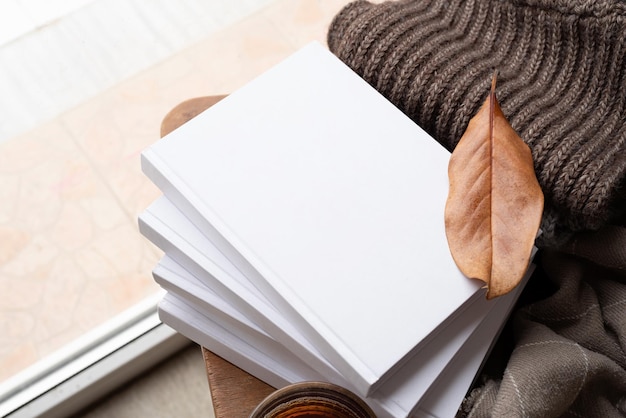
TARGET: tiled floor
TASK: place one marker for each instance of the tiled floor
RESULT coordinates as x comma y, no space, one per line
71,188
56,64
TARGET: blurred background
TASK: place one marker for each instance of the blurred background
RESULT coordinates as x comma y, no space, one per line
84,85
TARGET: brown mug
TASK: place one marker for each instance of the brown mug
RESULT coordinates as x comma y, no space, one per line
312,400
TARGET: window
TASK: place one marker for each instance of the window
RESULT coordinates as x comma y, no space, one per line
85,84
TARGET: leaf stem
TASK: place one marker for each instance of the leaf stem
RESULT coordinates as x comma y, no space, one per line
492,105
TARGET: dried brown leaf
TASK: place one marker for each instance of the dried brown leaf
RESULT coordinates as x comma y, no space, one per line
495,203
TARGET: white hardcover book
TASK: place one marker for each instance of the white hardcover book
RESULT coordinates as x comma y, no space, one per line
189,247
459,374
168,228
423,368
404,399
330,200
271,364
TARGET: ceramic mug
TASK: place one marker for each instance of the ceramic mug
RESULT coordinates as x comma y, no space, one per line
312,400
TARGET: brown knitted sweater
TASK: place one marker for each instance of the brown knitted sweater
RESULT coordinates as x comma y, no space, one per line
562,84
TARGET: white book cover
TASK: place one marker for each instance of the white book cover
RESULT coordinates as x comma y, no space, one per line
331,201
179,238
459,374
271,365
278,367
423,369
201,262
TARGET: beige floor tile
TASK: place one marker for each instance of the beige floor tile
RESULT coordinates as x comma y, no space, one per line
303,21
114,150
114,128
15,358
66,243
236,55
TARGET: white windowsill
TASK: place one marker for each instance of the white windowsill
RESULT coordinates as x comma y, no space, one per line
92,366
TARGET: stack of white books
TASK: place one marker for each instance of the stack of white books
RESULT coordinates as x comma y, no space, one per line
302,221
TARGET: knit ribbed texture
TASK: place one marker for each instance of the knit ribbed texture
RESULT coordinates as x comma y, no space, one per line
561,84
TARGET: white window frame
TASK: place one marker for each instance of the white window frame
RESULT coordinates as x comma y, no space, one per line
93,365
